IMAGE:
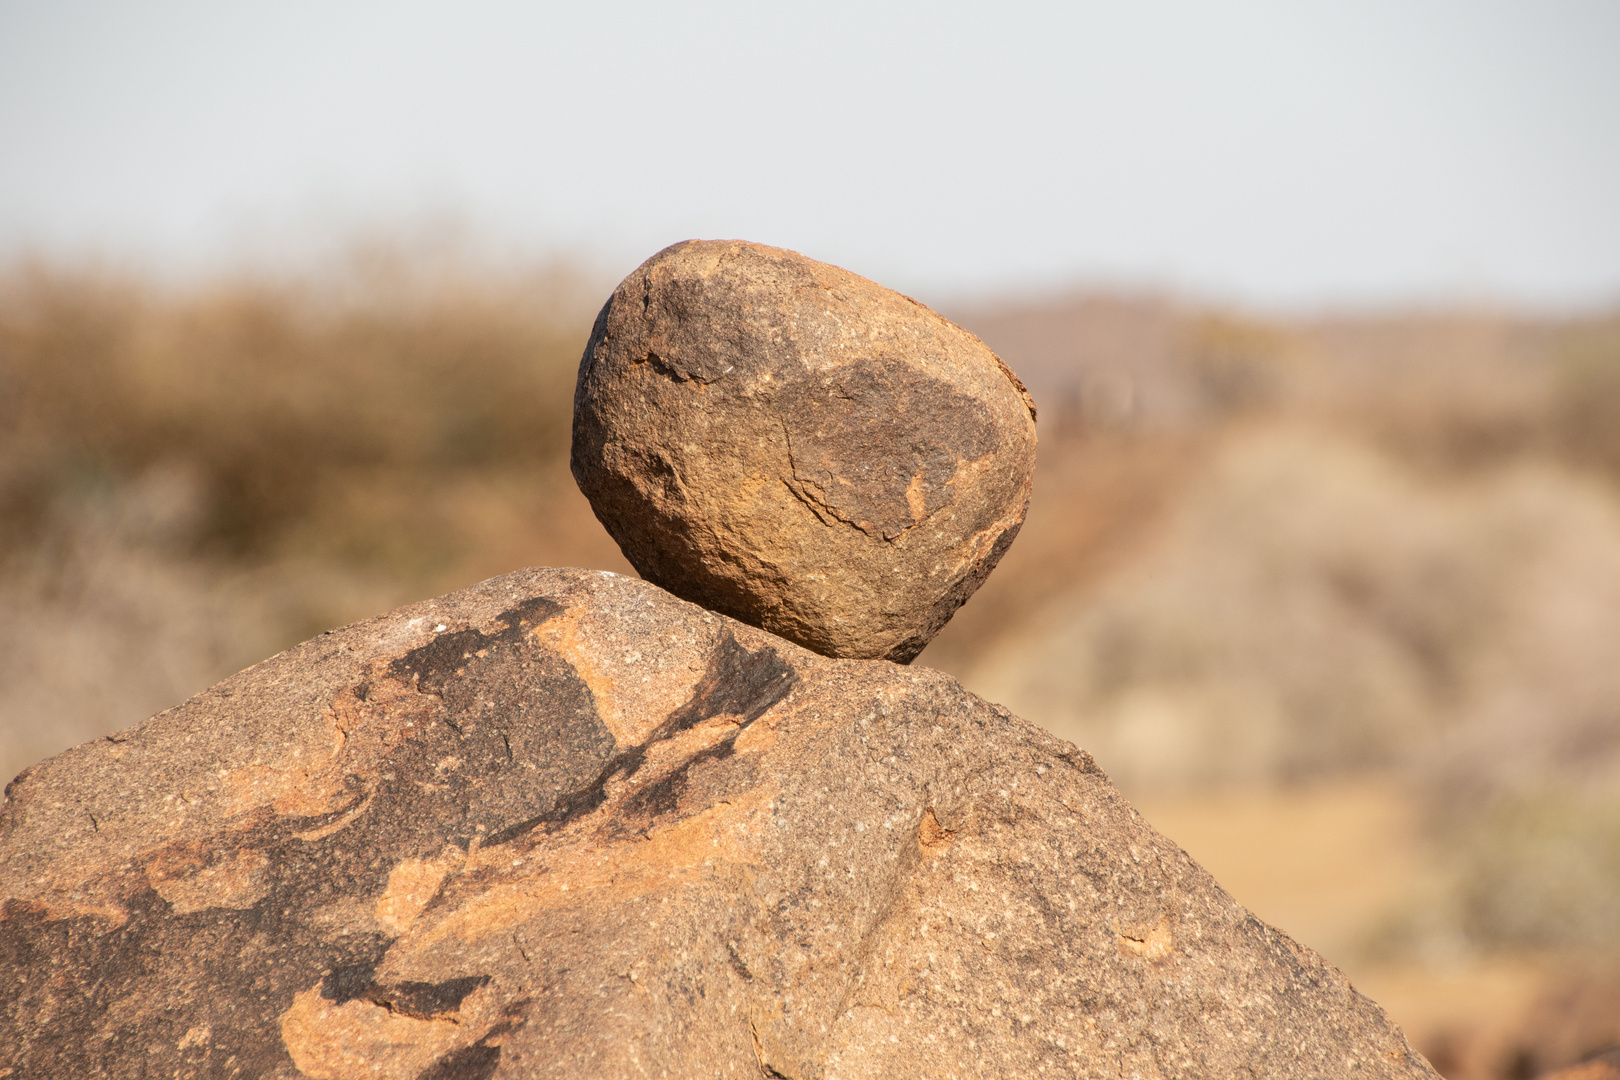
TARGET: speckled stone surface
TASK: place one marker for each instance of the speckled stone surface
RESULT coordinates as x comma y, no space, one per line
562,824
800,448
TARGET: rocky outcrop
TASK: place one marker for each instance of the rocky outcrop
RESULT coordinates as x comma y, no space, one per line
562,824
793,445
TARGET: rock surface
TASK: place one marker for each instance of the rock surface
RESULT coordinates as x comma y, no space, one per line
561,824
787,443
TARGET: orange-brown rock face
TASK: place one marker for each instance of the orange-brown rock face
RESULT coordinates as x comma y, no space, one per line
787,443
562,824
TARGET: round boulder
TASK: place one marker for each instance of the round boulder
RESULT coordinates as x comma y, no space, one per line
797,447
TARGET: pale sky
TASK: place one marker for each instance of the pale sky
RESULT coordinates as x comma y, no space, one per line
1282,154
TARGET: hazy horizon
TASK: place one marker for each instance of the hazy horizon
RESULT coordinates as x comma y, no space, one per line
1346,155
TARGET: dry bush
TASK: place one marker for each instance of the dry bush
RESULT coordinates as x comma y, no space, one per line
273,397
1448,393
1541,869
1313,608
1587,410
192,480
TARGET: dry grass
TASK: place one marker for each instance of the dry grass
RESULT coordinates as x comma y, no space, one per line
276,401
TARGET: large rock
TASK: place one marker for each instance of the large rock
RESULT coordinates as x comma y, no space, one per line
563,825
790,444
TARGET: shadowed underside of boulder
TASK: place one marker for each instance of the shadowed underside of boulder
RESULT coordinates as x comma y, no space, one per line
563,824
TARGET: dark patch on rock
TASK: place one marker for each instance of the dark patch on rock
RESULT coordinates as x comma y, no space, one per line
425,1000
867,450
230,972
444,657
476,1062
511,728
663,795
738,682
348,982
514,731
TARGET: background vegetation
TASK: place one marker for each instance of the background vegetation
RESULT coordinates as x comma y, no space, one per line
1362,572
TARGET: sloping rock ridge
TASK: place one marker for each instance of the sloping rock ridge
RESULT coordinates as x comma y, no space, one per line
562,824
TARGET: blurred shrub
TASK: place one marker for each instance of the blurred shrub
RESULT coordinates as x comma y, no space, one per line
1541,869
1587,414
1535,870
269,394
1236,365
1450,393
1314,607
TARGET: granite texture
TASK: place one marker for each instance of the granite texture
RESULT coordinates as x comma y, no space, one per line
795,446
562,824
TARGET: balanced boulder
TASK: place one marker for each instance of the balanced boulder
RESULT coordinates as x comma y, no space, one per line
562,824
787,443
